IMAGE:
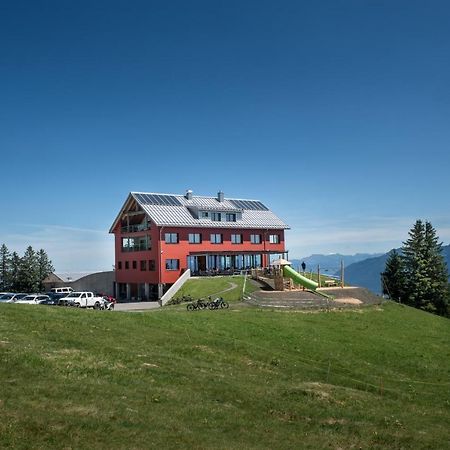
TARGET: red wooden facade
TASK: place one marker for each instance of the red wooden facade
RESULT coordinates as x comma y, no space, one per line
150,258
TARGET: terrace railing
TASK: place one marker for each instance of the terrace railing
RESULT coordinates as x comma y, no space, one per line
135,228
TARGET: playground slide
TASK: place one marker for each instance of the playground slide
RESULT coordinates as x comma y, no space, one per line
300,279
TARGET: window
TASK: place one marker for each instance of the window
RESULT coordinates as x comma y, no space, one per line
204,214
171,238
236,238
119,265
255,238
216,216
151,265
274,238
143,265
134,264
172,264
231,217
135,244
195,238
216,238
127,265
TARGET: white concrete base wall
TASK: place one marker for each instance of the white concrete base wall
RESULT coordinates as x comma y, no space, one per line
175,287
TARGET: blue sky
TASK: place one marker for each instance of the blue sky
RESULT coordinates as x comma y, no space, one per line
335,113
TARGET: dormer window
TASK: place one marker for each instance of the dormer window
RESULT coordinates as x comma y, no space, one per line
204,214
231,217
216,216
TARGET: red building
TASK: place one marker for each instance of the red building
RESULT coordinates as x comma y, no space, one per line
160,236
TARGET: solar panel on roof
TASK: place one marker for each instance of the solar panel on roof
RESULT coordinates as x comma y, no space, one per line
139,198
250,205
156,199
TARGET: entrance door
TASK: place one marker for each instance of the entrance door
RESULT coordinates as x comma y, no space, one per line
201,261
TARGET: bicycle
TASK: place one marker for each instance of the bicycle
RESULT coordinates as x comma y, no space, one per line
219,302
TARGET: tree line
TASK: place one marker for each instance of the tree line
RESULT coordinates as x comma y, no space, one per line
417,275
26,273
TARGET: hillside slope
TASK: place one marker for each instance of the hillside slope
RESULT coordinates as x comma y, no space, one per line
241,378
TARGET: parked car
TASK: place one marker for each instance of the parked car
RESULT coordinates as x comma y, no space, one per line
6,297
83,299
56,297
11,297
61,290
33,299
51,301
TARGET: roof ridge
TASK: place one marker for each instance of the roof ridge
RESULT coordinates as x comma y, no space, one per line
196,196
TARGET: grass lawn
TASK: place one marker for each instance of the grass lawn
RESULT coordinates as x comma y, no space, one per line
228,287
238,378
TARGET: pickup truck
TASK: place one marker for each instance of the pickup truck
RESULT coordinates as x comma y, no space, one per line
83,300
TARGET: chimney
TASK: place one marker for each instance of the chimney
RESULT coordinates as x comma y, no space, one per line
220,196
188,194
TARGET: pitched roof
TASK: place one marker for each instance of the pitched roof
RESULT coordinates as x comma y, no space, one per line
178,210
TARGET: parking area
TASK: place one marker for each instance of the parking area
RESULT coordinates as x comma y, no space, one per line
81,299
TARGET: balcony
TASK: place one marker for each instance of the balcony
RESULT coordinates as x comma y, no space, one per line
135,228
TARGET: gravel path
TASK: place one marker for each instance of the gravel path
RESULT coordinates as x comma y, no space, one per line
232,286
137,306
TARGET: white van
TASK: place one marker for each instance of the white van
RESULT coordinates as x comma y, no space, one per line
61,290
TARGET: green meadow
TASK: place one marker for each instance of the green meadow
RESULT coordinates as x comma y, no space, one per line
242,378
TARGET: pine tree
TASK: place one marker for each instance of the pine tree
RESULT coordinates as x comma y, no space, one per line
437,291
14,271
5,262
28,277
426,284
45,267
415,264
393,278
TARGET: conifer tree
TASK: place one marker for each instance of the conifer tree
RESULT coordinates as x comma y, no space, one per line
14,271
437,290
426,283
393,278
415,265
45,267
28,277
5,281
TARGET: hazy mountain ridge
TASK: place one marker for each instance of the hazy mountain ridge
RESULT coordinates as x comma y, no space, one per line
366,273
331,263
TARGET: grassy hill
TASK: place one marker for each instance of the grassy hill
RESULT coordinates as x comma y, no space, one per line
241,378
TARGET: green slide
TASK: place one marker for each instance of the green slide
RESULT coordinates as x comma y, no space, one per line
289,272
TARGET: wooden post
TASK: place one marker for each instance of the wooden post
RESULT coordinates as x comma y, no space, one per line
328,371
318,275
342,273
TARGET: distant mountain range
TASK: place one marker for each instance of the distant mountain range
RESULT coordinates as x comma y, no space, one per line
366,273
330,264
362,269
